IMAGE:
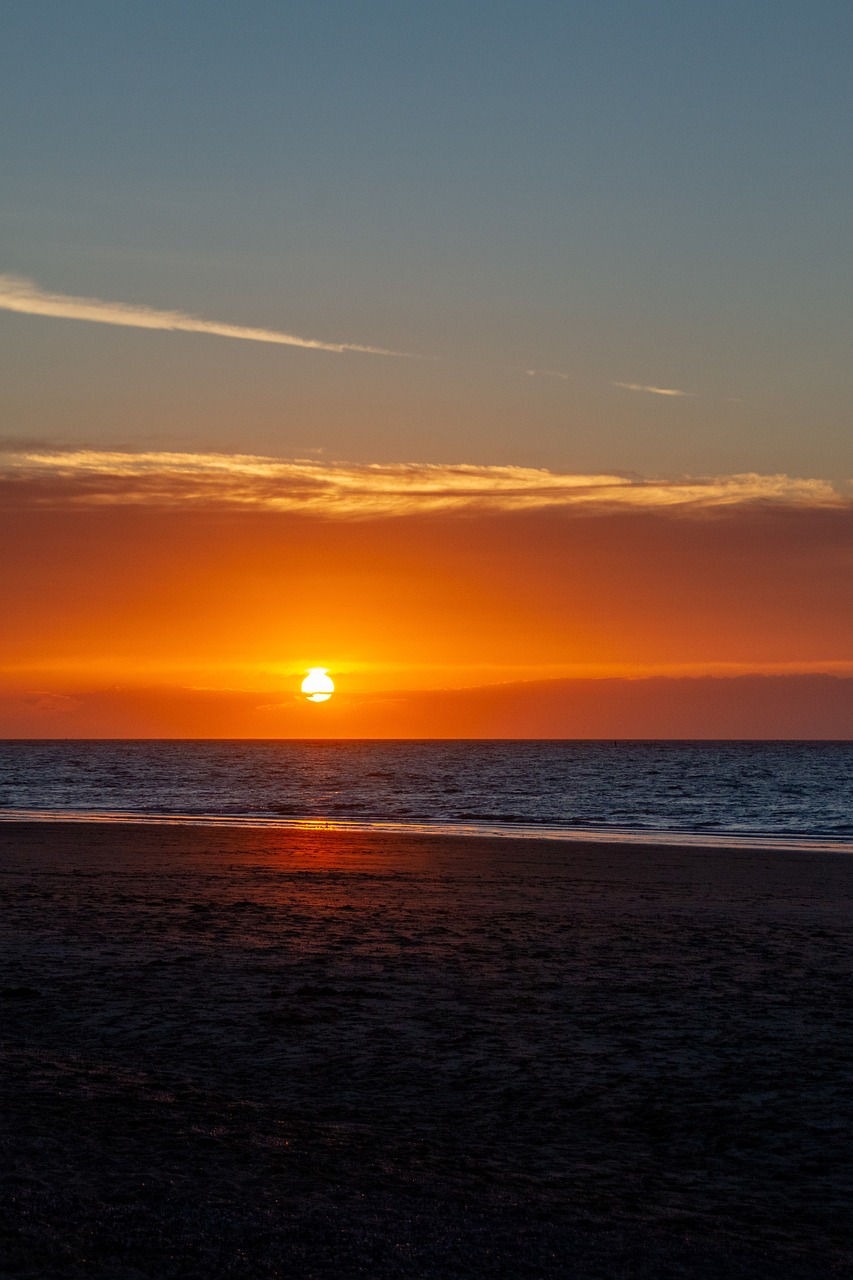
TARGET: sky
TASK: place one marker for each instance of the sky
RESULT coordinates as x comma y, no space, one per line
454,347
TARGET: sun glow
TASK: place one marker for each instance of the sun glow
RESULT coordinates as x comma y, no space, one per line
317,686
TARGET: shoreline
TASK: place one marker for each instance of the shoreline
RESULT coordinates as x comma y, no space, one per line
629,837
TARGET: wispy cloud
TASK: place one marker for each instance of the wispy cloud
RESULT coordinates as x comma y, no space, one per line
89,478
25,297
547,373
654,391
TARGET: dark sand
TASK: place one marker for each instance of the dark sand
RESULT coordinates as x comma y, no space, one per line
273,1053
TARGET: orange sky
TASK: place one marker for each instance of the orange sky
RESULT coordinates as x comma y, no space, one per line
448,355
210,610
613,236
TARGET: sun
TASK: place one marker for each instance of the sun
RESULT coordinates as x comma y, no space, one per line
317,686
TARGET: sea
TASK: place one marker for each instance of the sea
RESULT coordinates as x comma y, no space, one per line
764,794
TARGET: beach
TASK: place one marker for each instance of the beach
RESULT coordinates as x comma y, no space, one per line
260,1052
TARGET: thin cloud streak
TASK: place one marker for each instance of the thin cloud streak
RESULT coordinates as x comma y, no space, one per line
26,298
547,373
654,391
88,478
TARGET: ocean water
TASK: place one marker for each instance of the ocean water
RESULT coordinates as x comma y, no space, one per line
790,792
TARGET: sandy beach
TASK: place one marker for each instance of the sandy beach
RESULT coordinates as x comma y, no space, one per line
237,1052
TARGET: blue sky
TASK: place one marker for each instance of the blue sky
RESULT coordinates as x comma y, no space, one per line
650,195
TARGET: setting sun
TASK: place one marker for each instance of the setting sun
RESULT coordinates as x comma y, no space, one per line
317,685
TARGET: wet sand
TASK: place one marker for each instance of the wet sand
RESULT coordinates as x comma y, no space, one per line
281,1053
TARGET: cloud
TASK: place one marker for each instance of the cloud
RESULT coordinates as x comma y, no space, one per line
547,373
50,702
25,297
791,706
655,391
88,478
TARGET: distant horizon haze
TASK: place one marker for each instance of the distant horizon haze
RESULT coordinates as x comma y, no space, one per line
651,708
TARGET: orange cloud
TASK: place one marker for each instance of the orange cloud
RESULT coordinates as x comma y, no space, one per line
797,706
367,490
